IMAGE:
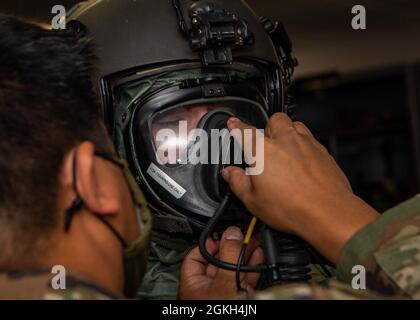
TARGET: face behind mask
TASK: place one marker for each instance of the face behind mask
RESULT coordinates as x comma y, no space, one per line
135,254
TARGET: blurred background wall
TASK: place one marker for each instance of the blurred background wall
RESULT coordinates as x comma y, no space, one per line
358,91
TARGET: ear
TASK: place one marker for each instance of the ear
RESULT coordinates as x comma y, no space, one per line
92,183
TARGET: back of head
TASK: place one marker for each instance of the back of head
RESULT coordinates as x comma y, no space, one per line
46,108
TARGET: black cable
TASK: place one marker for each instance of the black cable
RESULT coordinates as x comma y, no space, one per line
241,259
213,260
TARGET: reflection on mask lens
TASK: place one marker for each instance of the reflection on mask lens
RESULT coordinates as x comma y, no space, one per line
173,131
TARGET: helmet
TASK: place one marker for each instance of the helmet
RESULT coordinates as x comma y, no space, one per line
182,65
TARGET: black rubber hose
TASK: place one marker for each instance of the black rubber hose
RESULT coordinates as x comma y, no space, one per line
206,233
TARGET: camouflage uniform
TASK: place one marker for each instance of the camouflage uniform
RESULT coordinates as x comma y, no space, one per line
36,285
388,248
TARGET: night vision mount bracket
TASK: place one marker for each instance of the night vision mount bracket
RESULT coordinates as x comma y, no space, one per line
213,32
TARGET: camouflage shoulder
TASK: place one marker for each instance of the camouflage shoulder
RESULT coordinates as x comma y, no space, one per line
332,290
389,250
38,286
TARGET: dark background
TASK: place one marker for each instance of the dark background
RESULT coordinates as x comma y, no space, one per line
359,91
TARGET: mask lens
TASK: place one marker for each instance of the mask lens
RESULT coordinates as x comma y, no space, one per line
173,130
180,148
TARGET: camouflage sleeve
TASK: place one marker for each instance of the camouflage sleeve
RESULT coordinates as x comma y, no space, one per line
332,290
389,249
37,285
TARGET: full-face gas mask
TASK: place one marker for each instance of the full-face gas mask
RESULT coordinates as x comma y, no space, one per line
163,80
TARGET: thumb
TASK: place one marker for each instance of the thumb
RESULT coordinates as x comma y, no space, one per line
238,181
230,247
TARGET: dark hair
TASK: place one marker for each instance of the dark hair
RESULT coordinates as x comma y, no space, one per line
47,107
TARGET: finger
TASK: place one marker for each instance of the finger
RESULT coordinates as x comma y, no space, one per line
253,258
235,123
230,247
243,133
238,181
194,263
251,140
278,124
212,247
211,271
253,244
302,129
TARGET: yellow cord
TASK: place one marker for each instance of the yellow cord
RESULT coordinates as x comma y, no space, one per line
250,230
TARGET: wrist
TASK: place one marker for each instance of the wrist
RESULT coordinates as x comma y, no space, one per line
328,227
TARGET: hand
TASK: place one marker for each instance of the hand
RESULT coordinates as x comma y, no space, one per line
200,280
301,189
